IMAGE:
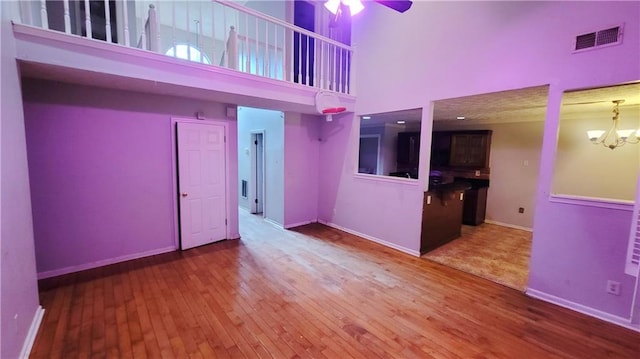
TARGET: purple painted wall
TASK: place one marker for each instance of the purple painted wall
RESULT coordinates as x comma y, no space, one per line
386,209
301,172
101,172
467,48
18,287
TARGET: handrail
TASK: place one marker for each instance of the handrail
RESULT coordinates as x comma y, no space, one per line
282,23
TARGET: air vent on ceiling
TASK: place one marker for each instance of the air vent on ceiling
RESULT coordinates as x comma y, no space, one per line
606,37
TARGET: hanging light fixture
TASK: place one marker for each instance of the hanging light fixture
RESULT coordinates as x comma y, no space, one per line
355,6
614,137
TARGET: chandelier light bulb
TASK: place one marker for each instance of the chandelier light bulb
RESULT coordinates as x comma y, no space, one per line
594,134
613,137
624,134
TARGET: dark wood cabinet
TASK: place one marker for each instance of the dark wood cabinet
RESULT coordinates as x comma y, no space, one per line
441,218
440,149
470,149
475,206
408,149
461,150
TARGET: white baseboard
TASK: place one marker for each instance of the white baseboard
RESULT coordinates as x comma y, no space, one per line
31,334
373,239
102,263
508,225
614,319
298,224
272,222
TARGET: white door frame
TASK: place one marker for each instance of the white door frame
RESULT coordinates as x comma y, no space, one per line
253,183
174,167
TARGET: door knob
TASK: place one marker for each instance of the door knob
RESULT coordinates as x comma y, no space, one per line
184,194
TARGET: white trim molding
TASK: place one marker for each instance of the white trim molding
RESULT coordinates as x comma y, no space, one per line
593,202
614,319
104,262
31,334
373,239
508,225
298,224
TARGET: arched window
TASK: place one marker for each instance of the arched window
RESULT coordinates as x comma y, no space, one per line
188,52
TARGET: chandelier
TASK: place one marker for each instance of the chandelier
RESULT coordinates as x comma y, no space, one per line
614,137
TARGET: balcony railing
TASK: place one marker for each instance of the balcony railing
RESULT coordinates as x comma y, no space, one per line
217,33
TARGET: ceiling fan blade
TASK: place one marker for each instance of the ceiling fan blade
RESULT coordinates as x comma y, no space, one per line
397,5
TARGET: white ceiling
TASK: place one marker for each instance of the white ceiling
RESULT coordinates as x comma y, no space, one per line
530,104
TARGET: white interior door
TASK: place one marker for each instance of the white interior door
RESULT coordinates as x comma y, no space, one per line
201,183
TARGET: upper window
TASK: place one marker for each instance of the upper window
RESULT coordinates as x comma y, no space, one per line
188,52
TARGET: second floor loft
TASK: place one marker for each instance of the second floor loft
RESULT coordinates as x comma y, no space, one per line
227,35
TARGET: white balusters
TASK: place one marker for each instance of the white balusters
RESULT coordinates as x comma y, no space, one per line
125,12
107,17
340,70
43,14
157,28
334,69
213,30
275,51
307,57
87,18
347,63
142,42
186,3
226,54
299,59
173,28
257,33
199,33
247,54
232,49
287,59
321,77
265,60
67,17
273,48
152,20
352,72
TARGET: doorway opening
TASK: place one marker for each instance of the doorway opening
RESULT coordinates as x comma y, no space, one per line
488,148
260,167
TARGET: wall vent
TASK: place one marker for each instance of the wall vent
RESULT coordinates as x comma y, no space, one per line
606,37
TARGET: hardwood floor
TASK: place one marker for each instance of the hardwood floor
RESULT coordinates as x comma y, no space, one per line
313,292
493,252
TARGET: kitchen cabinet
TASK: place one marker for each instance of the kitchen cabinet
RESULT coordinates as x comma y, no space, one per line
475,206
440,149
470,149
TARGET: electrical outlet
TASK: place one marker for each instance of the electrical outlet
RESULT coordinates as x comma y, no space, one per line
613,287
521,210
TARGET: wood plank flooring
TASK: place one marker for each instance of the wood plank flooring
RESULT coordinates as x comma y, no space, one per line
493,252
314,292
